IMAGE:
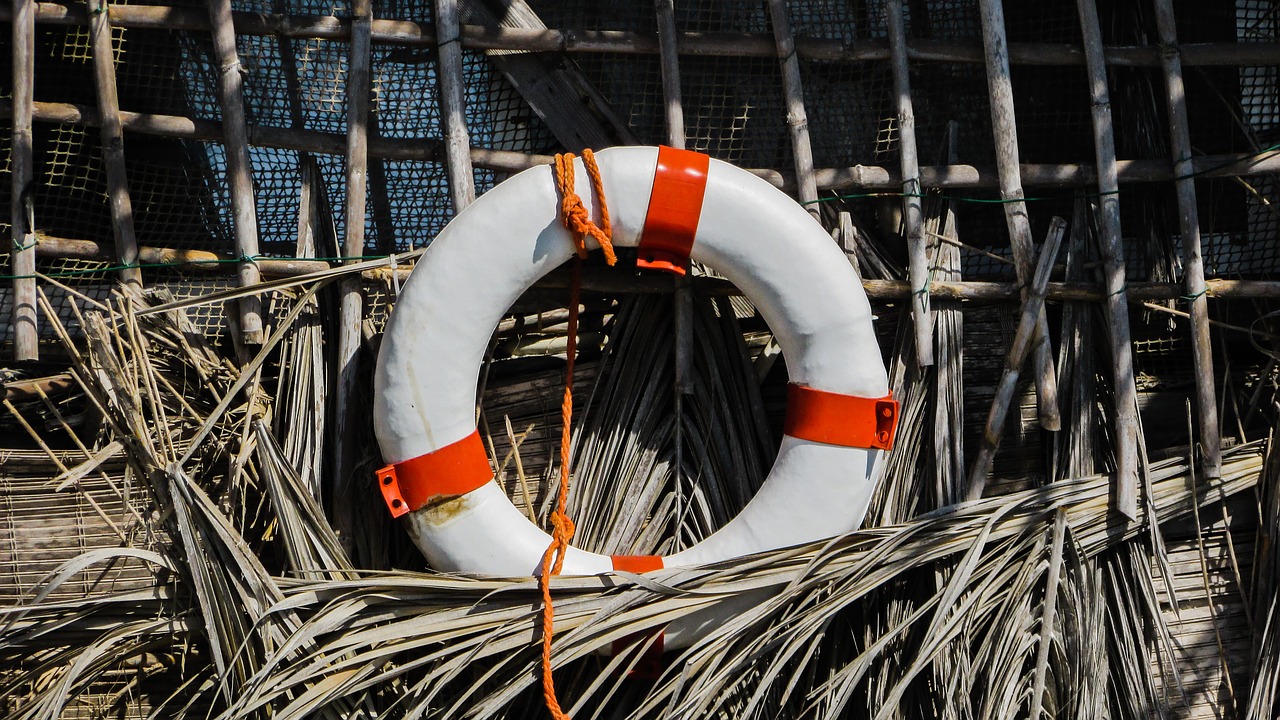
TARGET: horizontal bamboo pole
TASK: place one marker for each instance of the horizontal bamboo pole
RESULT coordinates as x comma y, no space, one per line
862,177
607,280
56,247
403,32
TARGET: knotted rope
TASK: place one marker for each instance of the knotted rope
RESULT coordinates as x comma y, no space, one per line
578,222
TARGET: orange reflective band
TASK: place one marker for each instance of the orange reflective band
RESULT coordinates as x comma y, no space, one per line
836,419
637,563
675,206
454,469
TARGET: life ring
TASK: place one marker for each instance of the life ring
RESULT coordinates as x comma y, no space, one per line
673,205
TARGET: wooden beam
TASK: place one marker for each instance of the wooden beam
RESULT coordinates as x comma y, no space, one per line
22,257
574,110
1189,224
1117,304
104,75
239,169
913,217
1005,130
457,141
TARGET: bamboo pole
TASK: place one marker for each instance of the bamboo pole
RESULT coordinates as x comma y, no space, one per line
860,178
717,44
1018,350
918,262
1189,223
1004,128
797,118
605,280
668,51
22,256
351,292
239,173
104,75
457,142
1126,391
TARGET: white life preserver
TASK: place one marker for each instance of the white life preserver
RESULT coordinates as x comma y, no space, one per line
840,418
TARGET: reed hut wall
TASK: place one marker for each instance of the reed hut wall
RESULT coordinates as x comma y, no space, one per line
542,77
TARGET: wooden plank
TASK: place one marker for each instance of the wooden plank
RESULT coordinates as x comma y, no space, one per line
575,112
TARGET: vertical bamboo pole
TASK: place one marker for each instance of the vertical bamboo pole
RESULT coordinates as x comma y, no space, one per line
239,177
797,118
683,296
668,52
457,142
1023,337
23,248
918,262
104,75
1126,421
674,112
1189,221
351,304
1004,127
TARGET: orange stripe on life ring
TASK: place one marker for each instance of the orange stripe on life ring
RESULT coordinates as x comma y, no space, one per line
637,563
455,469
675,206
836,419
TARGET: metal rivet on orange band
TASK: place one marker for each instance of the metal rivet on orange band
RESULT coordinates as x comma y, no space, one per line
455,469
836,419
675,206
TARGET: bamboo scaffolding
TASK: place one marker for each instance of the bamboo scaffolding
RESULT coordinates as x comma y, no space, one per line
865,178
1032,308
22,257
1189,224
235,136
913,218
351,293
797,118
104,75
717,44
1004,128
457,141
1126,391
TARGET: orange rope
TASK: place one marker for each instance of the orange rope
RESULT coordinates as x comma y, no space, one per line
578,222
574,214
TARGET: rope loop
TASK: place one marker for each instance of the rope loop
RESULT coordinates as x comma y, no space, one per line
574,215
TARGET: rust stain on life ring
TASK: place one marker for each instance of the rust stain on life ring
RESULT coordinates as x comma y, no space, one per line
442,509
